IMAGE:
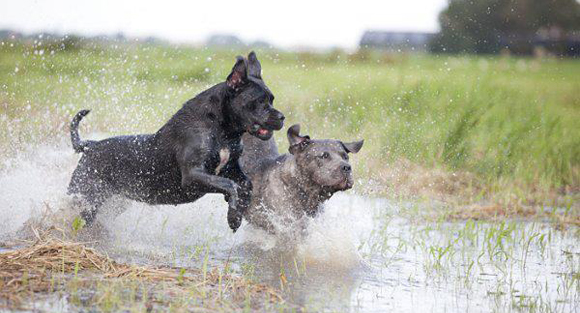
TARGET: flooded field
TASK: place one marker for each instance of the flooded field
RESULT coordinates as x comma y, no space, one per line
363,254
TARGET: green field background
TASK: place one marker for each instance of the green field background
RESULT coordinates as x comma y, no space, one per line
467,128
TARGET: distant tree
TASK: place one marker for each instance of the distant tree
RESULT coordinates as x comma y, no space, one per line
71,42
224,40
487,26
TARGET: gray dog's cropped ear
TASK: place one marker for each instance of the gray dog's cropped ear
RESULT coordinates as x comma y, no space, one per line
239,74
254,67
297,142
353,147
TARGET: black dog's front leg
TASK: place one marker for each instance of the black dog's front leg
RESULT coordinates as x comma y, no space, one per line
234,172
223,185
192,160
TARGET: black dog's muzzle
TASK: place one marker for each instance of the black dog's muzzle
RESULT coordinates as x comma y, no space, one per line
275,120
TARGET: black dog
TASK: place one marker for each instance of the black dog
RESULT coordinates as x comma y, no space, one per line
194,153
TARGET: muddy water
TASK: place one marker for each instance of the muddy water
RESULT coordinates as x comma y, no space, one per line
363,254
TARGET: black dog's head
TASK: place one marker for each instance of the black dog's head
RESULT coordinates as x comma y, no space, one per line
324,162
251,103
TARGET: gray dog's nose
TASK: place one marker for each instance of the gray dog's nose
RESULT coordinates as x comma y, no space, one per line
346,168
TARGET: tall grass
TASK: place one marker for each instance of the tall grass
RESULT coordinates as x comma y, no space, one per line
511,124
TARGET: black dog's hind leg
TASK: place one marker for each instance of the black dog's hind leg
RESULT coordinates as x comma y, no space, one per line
234,172
93,193
89,214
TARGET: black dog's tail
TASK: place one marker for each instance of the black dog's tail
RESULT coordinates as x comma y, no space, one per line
78,144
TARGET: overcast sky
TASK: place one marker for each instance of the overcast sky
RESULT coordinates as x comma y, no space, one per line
292,23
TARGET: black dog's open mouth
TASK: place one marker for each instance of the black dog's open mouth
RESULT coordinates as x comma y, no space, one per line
261,132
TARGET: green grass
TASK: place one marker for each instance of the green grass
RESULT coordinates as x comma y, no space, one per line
507,128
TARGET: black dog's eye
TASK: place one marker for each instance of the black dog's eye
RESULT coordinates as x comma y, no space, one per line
251,105
324,155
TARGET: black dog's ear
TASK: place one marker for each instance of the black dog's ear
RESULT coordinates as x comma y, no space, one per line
297,142
239,74
254,67
353,147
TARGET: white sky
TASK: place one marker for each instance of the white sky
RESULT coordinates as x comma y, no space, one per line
294,23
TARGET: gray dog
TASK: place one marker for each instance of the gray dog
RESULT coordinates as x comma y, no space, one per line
289,187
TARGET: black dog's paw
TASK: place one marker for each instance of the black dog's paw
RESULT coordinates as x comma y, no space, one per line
234,215
232,199
234,219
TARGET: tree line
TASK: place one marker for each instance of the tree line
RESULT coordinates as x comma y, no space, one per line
519,26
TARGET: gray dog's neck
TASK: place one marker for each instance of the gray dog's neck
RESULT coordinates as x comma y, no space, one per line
307,195
311,194
281,189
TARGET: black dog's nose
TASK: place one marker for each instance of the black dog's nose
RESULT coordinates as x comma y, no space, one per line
281,116
346,168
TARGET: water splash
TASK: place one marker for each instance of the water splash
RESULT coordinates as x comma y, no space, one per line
34,183
34,187
358,255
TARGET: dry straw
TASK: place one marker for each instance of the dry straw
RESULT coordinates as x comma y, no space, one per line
45,263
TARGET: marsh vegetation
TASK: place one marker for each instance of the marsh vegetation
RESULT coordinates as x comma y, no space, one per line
466,192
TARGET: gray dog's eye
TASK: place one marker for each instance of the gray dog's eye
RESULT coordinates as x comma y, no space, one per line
324,155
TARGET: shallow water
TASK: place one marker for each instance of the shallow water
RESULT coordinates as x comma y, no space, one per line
363,254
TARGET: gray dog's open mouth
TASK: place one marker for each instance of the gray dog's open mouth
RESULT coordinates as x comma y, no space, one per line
345,184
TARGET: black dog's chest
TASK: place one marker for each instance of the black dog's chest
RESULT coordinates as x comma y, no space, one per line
224,153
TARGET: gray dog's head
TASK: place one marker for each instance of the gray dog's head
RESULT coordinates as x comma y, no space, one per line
252,101
323,162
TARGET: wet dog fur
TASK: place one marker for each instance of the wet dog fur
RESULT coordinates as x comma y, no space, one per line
196,152
290,187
